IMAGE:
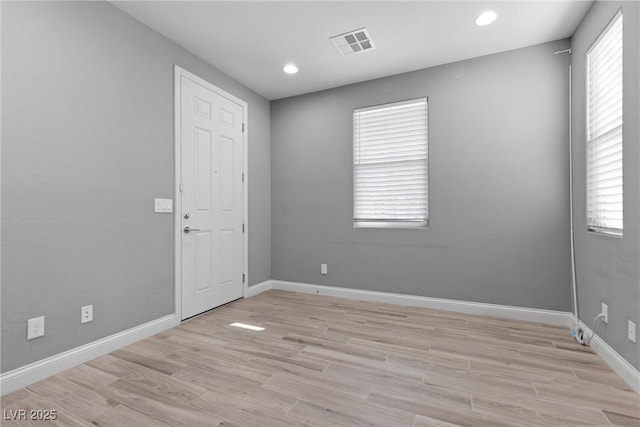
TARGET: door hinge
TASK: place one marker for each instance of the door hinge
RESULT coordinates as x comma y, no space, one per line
242,176
243,228
243,128
242,277
180,187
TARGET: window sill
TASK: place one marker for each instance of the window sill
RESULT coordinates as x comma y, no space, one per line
605,231
392,225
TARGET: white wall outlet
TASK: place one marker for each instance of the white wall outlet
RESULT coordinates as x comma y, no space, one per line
632,331
605,313
323,268
86,313
35,327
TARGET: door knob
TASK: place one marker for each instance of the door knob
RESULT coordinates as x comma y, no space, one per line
188,230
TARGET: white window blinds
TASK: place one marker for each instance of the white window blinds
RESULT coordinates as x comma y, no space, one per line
604,130
390,164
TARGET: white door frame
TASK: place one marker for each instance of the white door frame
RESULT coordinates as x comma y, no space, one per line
179,72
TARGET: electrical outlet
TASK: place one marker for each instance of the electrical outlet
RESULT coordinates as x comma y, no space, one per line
323,268
605,313
86,313
632,331
35,327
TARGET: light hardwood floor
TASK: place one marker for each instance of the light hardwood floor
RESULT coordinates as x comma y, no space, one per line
327,361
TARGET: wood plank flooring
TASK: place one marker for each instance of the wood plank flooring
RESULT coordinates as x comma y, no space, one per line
324,361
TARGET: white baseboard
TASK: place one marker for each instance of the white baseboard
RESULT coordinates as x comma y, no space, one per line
559,318
29,374
623,368
34,372
259,288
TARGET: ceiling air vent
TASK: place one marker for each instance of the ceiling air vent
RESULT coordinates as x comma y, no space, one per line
356,41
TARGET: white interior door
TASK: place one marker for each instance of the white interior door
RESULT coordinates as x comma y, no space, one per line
211,147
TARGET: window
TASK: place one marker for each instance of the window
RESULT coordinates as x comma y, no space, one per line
604,131
390,165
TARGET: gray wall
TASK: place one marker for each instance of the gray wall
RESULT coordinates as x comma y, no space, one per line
498,192
608,267
87,132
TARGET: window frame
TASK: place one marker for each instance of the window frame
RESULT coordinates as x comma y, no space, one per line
389,223
610,231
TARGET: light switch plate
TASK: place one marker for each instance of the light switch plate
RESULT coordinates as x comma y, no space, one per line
164,206
323,268
632,331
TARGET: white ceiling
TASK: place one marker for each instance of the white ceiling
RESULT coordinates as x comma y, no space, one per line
252,41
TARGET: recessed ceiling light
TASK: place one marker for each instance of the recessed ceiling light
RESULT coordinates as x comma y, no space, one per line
290,69
486,18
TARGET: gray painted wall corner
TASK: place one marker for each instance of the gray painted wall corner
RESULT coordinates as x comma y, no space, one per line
498,172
